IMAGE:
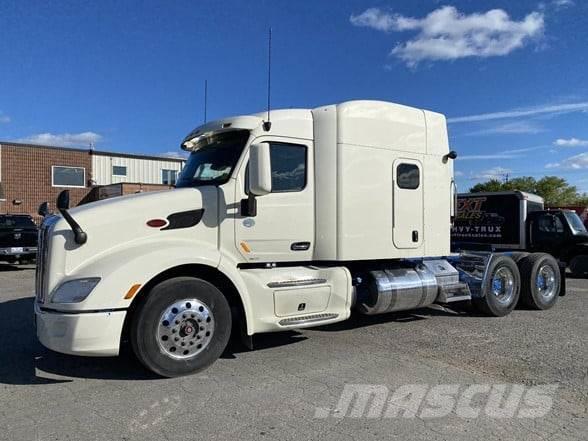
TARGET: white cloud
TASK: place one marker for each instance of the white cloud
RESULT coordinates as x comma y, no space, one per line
494,173
4,119
562,3
572,142
518,113
374,18
176,155
504,154
577,162
447,34
514,128
83,139
489,156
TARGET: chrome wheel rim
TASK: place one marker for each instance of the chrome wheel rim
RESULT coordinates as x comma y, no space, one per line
185,329
503,285
546,282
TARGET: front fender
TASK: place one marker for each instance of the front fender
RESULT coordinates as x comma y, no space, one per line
137,263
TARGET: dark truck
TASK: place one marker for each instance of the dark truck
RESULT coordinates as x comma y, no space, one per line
517,221
18,238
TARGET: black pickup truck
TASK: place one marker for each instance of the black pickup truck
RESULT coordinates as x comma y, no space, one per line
18,238
517,221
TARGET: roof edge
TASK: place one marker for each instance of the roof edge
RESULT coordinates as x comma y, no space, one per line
92,152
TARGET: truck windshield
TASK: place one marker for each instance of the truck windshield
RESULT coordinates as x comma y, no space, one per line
213,159
575,222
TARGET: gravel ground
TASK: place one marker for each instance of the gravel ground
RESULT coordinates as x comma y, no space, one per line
289,387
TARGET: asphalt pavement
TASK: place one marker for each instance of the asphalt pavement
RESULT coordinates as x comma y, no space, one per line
293,385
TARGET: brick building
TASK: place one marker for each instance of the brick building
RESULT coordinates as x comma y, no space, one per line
32,174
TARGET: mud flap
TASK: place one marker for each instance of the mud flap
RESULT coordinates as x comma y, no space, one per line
562,271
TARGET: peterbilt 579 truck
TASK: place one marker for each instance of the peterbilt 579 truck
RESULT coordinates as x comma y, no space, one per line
273,225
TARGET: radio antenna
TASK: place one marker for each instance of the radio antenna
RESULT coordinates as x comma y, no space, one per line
267,125
205,98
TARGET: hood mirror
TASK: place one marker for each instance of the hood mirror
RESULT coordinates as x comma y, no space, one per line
63,200
43,209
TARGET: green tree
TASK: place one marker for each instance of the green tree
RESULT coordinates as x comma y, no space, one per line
491,185
556,191
553,189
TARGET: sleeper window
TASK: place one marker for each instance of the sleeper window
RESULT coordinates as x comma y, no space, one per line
408,176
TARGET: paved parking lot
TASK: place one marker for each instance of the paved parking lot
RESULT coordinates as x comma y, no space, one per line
274,392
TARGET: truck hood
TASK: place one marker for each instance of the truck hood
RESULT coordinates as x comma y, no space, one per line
151,204
185,214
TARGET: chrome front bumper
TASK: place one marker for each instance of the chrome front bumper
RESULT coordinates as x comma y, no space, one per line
17,251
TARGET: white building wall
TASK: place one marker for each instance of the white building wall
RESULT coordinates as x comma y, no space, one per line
139,170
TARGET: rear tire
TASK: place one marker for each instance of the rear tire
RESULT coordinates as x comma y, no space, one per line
517,256
182,327
502,288
540,281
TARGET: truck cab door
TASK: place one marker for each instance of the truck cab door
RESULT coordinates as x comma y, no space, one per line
283,228
407,216
547,233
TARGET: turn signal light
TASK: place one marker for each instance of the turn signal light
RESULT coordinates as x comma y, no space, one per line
132,291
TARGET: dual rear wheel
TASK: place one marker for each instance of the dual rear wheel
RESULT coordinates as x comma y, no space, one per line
534,279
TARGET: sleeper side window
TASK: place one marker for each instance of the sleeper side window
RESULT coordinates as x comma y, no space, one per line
408,176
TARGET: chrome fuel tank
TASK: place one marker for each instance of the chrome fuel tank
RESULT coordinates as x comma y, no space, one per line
397,289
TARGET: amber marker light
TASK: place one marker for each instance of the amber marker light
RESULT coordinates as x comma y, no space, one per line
132,291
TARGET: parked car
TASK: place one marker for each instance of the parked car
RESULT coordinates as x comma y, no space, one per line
18,238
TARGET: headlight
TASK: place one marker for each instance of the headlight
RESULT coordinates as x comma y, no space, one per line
74,291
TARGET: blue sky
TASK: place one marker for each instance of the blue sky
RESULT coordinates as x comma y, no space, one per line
512,77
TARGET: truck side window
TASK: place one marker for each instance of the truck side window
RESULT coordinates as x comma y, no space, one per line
408,176
550,224
288,167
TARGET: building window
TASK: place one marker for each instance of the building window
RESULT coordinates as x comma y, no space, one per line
168,177
2,197
63,176
288,167
119,170
408,176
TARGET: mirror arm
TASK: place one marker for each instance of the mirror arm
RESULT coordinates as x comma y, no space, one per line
80,235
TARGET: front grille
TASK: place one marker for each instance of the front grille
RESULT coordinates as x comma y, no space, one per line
42,253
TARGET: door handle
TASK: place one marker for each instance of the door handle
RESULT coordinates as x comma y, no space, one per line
415,236
300,246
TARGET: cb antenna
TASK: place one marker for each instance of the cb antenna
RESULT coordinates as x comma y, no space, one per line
267,125
205,98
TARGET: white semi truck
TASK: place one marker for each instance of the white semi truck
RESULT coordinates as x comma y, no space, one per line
273,226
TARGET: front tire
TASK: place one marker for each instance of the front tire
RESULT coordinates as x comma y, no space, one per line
501,289
541,281
579,266
182,327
